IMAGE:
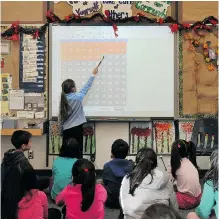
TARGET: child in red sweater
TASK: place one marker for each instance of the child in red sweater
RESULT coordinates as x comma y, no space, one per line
84,198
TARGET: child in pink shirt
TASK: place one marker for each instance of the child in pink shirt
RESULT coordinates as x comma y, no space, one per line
34,204
184,171
84,199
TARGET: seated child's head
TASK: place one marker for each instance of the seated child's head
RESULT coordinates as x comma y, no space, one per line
120,149
21,140
70,148
83,172
29,180
146,162
54,213
160,211
182,149
212,173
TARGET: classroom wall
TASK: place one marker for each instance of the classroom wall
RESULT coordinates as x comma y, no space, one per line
106,133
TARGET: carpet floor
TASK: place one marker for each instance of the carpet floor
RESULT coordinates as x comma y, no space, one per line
114,213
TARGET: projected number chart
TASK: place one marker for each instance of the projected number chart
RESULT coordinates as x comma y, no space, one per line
81,57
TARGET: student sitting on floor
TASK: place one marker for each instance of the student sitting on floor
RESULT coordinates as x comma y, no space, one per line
160,211
209,200
84,199
145,185
13,165
114,171
62,166
34,204
184,171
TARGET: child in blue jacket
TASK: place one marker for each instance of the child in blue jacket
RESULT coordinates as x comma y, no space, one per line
115,170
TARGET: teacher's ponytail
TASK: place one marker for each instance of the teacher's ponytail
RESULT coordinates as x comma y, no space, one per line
64,107
68,86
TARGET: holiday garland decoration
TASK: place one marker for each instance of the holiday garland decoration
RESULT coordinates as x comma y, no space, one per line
13,32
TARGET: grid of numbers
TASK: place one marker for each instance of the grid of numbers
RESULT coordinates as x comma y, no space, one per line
79,58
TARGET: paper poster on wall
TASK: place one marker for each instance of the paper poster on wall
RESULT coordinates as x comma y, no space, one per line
34,101
185,130
154,7
164,136
16,99
5,47
32,63
140,135
117,9
84,8
89,144
6,85
55,140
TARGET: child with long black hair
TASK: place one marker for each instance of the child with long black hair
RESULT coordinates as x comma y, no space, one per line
209,200
71,109
62,166
144,186
84,198
34,204
185,173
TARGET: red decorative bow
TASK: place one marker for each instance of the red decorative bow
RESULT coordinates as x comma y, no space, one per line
85,170
161,21
14,37
174,28
107,13
36,34
115,28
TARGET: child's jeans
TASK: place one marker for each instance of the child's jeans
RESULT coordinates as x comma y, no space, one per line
186,201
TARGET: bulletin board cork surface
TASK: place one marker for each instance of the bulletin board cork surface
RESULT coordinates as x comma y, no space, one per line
63,9
198,91
11,61
192,11
25,11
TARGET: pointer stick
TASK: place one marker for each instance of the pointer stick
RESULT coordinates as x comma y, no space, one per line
100,62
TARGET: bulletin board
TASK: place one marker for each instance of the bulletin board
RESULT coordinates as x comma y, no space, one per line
192,11
27,12
198,82
11,77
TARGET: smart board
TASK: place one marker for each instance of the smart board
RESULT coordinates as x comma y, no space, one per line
135,79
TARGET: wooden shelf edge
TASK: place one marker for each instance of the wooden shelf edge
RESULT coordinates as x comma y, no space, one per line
34,132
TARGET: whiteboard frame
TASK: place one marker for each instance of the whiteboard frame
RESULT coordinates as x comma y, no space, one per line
119,119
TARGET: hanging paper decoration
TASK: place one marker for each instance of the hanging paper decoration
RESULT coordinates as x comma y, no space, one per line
116,9
84,8
153,7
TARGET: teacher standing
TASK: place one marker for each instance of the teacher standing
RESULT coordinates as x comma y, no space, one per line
71,109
